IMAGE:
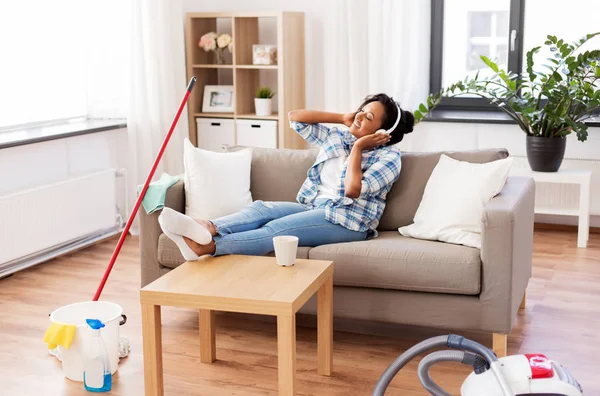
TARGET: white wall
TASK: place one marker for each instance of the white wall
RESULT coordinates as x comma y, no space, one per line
31,165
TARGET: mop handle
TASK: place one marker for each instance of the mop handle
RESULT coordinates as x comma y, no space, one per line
143,192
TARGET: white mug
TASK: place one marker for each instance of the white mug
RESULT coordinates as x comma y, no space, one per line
285,249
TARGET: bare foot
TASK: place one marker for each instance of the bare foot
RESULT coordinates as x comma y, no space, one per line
201,250
208,225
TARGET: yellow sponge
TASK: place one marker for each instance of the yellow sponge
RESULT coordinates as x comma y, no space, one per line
59,334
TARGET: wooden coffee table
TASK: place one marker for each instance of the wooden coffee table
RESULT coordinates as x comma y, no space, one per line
247,284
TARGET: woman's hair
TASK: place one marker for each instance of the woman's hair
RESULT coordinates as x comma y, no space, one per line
407,120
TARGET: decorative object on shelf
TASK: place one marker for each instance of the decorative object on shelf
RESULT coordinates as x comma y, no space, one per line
216,43
263,54
262,102
218,99
547,103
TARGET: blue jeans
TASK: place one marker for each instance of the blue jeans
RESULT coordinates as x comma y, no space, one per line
251,230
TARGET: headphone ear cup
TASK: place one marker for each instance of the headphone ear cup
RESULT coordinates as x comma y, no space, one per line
381,131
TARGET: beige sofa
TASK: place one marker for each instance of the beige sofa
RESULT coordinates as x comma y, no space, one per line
393,278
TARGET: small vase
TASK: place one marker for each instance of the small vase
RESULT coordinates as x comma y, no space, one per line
219,57
262,107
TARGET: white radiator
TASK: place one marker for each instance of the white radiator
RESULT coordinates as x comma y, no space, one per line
37,221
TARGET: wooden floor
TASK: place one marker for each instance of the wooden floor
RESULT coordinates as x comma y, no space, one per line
562,319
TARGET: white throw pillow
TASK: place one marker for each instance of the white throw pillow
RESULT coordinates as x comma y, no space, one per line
216,184
454,199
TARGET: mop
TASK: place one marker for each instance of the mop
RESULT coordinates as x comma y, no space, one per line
63,334
138,202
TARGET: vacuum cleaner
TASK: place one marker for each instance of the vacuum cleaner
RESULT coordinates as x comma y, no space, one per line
515,375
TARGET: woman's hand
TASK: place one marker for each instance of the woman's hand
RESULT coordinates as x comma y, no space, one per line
348,119
371,141
354,174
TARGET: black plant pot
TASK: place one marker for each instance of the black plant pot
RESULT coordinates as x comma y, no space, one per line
545,154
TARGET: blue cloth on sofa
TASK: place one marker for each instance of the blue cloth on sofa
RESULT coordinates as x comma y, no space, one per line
157,191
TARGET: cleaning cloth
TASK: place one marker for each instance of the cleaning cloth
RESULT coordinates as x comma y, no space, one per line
157,191
59,334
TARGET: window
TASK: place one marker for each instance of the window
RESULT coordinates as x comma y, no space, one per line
569,23
504,30
62,59
462,30
488,34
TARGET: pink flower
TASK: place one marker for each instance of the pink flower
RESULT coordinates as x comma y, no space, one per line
208,42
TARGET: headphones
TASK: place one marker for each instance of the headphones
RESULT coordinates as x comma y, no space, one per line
388,131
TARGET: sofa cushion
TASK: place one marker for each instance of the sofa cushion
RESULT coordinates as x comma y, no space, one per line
392,261
169,255
405,196
278,174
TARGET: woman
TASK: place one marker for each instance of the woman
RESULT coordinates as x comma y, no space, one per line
341,200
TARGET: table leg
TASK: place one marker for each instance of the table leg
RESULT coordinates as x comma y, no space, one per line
152,339
207,336
583,228
325,328
286,351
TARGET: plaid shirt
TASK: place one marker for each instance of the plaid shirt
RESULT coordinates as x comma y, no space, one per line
380,167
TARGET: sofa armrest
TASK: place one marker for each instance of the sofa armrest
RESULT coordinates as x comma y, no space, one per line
150,231
506,252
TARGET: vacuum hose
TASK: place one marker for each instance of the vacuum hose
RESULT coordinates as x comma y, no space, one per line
402,360
464,357
467,351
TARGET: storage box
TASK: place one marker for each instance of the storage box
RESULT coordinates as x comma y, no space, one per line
257,133
215,133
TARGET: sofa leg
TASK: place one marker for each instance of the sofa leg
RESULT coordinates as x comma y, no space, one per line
523,301
499,344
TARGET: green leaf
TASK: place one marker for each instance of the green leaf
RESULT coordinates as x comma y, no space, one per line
530,54
418,115
422,108
492,65
548,67
430,102
591,35
264,93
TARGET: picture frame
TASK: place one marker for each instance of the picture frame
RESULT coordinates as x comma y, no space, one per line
218,99
264,54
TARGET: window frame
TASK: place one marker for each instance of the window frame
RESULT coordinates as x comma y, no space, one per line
515,55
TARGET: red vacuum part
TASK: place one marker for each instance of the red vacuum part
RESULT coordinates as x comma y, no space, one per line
143,192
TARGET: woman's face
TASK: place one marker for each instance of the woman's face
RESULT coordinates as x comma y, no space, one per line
368,120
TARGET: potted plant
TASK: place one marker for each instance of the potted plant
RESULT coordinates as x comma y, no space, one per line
262,102
547,104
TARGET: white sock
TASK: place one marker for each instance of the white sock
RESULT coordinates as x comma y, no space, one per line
180,224
185,250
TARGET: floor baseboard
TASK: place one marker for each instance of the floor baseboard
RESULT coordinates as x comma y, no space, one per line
562,227
54,252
